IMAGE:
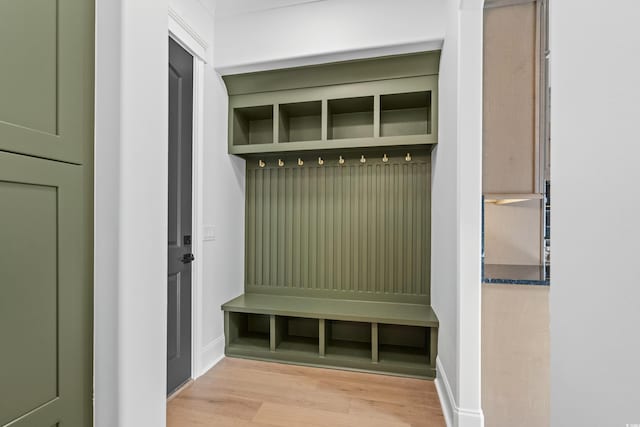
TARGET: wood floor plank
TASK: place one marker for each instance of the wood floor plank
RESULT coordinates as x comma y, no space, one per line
246,393
272,414
415,415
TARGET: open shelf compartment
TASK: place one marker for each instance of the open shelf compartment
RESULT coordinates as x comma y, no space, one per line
300,121
406,345
297,334
405,114
253,125
348,340
251,331
350,118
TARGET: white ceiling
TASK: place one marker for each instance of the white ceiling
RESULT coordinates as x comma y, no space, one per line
236,7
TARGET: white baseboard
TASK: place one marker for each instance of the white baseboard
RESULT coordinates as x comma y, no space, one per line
454,416
211,354
444,392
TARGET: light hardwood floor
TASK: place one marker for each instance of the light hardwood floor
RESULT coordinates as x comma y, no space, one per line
244,393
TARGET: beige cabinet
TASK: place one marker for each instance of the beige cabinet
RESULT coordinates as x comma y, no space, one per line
512,157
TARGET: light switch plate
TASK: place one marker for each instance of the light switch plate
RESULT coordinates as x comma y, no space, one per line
209,233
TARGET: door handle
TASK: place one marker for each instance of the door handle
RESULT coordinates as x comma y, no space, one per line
187,258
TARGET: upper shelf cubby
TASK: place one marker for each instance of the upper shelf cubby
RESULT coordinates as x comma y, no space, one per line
300,121
381,102
405,114
253,125
350,118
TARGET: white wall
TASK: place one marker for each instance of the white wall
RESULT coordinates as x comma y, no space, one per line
306,33
444,219
456,221
131,206
223,201
595,295
131,219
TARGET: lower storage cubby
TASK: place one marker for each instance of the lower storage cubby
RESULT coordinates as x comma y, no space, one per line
249,331
348,340
387,338
406,345
297,335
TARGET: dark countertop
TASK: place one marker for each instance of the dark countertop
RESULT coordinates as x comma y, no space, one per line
515,274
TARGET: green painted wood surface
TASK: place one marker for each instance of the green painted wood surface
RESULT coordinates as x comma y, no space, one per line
383,68
345,310
46,304
46,220
46,106
353,230
391,116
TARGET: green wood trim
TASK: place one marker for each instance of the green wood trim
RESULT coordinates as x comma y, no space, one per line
355,90
339,295
274,336
374,342
433,346
337,146
323,336
423,371
227,329
397,66
347,310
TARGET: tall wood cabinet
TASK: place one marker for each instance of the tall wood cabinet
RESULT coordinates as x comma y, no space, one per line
46,199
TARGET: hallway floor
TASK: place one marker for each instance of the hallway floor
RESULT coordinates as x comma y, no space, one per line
248,393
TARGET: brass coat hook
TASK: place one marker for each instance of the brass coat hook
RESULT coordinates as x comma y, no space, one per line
363,159
408,157
320,161
280,162
261,163
300,162
341,160
385,158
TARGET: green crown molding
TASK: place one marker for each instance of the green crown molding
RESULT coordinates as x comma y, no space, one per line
363,70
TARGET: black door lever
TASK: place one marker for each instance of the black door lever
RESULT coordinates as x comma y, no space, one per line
187,258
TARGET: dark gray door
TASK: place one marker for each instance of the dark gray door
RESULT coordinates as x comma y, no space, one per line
179,250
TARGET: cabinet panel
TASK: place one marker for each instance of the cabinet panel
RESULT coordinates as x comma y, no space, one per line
46,108
509,147
45,306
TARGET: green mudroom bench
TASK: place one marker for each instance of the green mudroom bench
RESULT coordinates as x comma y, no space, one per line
385,337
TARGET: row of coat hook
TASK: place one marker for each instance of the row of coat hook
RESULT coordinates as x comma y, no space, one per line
363,159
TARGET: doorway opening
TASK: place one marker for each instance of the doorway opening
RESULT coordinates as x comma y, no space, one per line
180,202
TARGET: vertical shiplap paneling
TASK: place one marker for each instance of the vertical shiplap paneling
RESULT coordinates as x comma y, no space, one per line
362,227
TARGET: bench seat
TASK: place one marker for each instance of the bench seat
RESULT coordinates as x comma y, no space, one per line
335,309
384,337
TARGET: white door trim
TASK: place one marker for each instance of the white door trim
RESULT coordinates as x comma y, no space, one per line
188,38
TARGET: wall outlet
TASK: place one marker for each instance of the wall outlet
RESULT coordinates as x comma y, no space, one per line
209,233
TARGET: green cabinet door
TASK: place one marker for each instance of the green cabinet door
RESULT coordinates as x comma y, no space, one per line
46,78
45,295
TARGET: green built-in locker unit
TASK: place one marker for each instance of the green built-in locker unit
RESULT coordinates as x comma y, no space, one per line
338,214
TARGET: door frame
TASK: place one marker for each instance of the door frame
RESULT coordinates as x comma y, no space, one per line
181,32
